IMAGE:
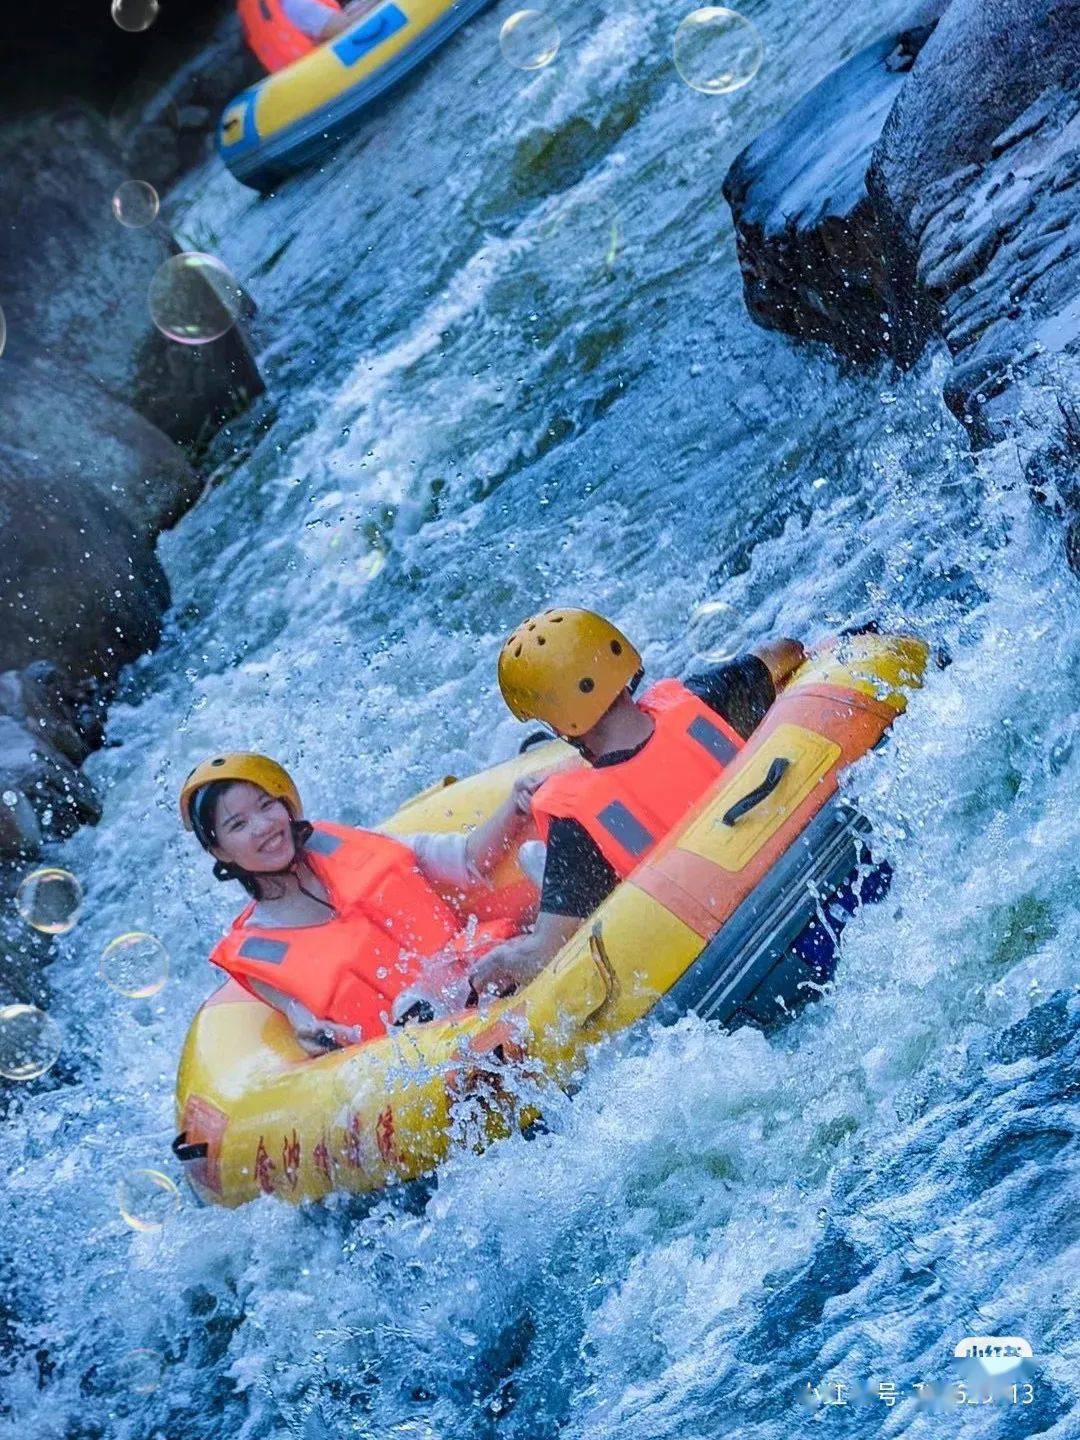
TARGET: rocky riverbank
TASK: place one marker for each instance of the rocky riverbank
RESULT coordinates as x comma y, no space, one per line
928,191
102,429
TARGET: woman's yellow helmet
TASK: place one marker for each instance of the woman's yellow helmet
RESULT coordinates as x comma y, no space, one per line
566,668
241,765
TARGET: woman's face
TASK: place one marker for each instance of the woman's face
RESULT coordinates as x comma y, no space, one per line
253,829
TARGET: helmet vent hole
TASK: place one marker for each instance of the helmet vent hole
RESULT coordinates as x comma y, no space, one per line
517,652
556,619
219,761
616,648
586,686
540,640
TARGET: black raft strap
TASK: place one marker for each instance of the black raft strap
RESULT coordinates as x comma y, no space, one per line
185,1152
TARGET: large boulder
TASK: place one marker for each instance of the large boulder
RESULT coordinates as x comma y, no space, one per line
80,585
91,434
986,64
165,120
809,242
75,281
959,221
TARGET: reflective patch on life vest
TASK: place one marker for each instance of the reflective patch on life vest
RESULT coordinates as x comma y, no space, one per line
626,828
711,738
261,947
323,844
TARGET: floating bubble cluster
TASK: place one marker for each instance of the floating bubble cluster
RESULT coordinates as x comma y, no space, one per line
135,15
49,900
146,1199
135,965
136,203
194,299
529,40
717,50
30,1042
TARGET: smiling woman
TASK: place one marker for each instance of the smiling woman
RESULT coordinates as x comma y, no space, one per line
382,909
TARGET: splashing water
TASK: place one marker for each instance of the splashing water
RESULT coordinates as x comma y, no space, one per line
714,1221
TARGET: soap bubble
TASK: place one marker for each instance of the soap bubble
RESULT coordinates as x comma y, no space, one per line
529,40
717,50
194,299
30,1042
140,1370
147,1198
135,203
580,236
49,900
135,965
135,15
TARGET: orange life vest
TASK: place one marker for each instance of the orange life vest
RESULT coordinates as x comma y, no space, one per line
388,921
629,807
276,41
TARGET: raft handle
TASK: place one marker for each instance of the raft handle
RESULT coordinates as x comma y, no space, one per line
598,951
776,773
538,737
185,1152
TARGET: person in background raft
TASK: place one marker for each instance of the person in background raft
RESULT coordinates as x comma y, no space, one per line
649,761
342,921
281,32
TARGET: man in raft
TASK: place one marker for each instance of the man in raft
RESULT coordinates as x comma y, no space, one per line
649,760
283,31
342,921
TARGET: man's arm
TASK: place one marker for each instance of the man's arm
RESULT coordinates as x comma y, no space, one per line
781,658
515,962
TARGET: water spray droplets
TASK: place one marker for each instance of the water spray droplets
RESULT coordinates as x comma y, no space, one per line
717,50
135,965
3,331
134,15
529,40
49,900
30,1042
136,204
194,298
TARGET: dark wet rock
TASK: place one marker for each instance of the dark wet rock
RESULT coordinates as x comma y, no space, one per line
75,281
80,585
809,245
92,435
166,121
960,221
988,62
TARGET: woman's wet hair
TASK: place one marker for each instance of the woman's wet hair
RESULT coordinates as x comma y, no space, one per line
203,810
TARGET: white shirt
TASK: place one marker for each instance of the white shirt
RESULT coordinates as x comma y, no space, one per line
307,15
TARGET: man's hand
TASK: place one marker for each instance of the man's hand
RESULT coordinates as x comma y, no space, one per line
496,973
514,963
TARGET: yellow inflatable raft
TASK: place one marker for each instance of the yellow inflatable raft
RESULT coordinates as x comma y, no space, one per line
705,923
291,118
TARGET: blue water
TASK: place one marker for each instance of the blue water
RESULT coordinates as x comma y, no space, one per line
509,366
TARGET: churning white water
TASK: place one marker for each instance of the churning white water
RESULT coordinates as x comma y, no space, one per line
509,366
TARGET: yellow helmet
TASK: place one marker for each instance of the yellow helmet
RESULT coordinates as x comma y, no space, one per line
259,770
566,667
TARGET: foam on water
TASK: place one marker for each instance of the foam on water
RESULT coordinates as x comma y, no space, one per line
713,1220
